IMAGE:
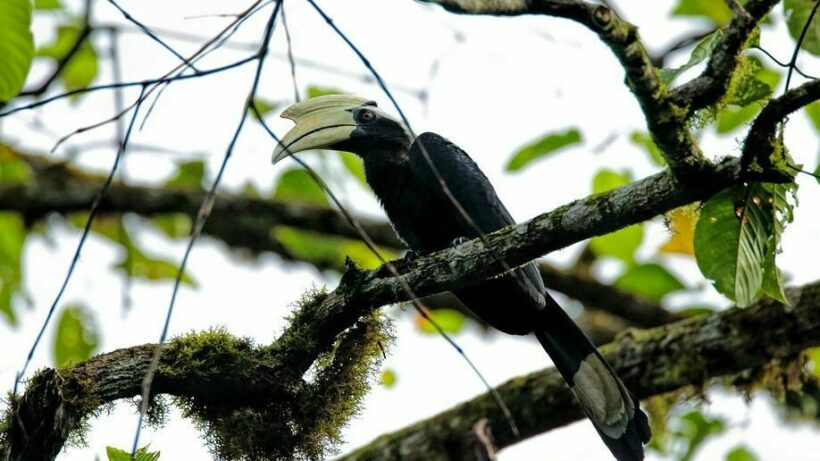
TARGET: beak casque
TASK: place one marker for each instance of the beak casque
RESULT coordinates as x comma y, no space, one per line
320,122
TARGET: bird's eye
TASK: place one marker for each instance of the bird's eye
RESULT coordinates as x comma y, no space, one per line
366,116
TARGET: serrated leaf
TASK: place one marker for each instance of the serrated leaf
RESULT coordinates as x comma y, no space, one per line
782,214
314,91
682,223
353,164
813,112
188,175
543,146
12,239
450,320
715,11
650,281
702,51
142,454
645,141
797,14
740,453
296,185
76,337
16,46
731,239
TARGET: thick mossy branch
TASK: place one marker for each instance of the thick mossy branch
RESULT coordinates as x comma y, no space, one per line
651,362
247,398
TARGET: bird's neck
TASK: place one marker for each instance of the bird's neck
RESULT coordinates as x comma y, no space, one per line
387,172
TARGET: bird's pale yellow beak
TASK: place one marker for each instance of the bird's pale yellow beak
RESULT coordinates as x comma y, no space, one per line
320,122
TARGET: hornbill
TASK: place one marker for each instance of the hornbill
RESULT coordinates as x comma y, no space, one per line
398,169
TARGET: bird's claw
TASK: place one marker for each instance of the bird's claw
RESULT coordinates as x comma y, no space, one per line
400,265
458,241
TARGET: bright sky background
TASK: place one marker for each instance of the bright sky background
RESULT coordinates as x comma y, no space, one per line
498,83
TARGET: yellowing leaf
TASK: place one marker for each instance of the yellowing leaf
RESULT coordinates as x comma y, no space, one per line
682,223
388,378
450,320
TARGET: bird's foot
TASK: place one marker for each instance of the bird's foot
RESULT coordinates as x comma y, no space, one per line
400,264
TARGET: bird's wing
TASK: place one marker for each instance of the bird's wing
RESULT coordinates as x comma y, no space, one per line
464,180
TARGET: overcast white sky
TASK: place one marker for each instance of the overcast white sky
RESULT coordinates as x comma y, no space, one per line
501,84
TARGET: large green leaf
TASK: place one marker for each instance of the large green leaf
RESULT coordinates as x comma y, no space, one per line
541,147
782,213
326,251
731,240
12,239
622,243
296,185
797,14
16,46
651,281
733,117
77,336
82,69
715,11
703,50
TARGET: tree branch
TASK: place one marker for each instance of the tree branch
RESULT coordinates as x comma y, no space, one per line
652,362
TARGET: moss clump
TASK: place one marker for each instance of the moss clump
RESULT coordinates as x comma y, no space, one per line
298,421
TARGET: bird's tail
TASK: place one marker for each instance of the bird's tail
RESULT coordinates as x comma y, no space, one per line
613,410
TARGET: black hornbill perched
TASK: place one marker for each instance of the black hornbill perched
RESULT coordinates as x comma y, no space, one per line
425,218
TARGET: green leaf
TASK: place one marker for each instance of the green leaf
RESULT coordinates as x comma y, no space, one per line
732,117
388,378
13,169
174,225
606,180
296,185
703,50
81,69
547,144
450,320
263,107
354,165
814,356
740,453
715,11
188,175
47,5
694,428
316,91
326,251
753,83
12,239
813,112
138,264
622,243
16,46
731,240
142,454
77,336
651,281
641,139
782,214
797,14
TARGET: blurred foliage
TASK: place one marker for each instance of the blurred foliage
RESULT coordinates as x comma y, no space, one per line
692,429
387,378
701,52
142,454
81,70
622,243
12,239
644,140
797,14
752,83
681,222
741,453
449,320
263,107
315,91
188,175
325,251
16,46
813,112
716,12
542,147
651,281
77,336
296,185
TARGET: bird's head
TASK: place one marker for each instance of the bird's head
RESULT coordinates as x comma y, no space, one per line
340,122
